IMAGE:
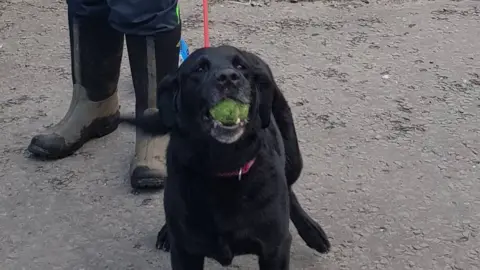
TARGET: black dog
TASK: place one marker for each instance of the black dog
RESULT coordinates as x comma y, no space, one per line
229,190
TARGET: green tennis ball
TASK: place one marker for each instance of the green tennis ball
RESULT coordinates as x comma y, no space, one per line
229,112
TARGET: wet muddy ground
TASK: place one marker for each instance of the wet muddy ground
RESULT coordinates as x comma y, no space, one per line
386,97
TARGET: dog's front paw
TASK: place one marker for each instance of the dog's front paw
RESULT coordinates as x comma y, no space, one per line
162,239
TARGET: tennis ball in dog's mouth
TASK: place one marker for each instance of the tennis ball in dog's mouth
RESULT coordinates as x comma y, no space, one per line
230,112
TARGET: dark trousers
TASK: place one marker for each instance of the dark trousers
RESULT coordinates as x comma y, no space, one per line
134,17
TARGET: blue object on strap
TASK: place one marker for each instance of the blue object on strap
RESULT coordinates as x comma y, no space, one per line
184,52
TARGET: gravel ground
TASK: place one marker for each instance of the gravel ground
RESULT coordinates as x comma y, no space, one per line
386,97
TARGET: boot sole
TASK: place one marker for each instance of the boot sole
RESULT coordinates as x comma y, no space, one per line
143,177
99,128
148,183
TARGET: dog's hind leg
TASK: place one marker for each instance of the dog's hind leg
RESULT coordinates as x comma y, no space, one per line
310,231
163,242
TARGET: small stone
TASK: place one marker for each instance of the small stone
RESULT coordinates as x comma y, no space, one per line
417,232
351,146
417,247
146,201
398,163
424,245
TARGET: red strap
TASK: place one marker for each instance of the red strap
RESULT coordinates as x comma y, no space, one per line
206,38
240,172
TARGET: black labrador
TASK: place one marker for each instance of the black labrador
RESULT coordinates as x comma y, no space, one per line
228,191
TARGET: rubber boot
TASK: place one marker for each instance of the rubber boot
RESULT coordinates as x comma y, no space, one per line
96,54
151,58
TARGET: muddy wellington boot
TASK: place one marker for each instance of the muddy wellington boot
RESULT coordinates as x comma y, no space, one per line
96,54
151,58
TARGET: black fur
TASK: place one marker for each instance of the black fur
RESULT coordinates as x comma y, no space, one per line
221,217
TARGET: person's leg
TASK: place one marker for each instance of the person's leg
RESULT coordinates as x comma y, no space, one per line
153,31
96,53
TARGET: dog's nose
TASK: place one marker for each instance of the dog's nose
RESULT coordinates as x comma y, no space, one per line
227,76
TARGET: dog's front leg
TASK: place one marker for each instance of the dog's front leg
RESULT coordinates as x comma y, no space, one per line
279,259
182,260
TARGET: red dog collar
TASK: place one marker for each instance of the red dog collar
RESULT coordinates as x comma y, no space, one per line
240,172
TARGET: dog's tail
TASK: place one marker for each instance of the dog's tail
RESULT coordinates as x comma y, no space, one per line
310,231
150,122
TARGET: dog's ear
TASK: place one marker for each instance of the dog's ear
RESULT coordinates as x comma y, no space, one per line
158,121
265,84
167,100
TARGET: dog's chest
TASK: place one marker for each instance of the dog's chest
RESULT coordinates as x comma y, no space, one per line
239,217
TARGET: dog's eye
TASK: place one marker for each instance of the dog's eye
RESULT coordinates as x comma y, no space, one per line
239,66
237,63
202,66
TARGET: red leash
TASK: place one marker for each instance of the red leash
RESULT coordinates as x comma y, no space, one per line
206,37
